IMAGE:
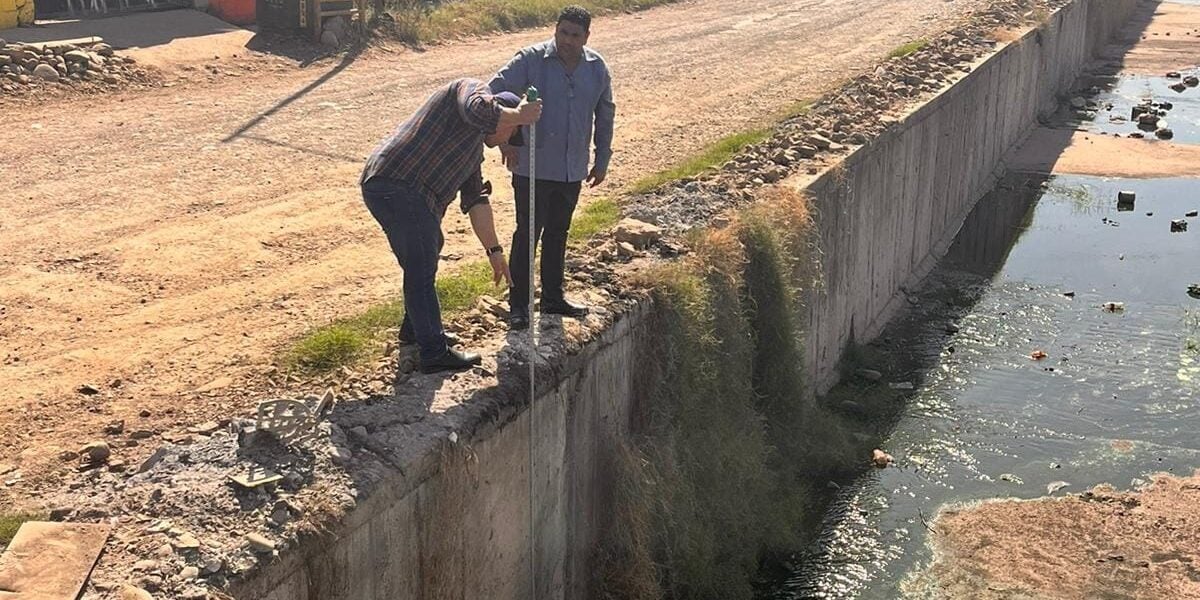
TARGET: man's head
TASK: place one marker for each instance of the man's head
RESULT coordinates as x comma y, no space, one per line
571,34
502,133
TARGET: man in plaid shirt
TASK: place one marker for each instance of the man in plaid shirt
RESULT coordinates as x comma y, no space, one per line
414,175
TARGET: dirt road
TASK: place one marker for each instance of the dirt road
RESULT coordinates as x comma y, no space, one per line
177,239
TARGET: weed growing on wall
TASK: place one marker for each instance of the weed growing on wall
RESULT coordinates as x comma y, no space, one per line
729,450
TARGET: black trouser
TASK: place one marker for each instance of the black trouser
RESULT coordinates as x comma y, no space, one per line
556,202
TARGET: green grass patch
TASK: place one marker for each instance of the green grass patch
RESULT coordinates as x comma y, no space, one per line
597,216
457,291
713,156
9,524
346,341
424,22
909,48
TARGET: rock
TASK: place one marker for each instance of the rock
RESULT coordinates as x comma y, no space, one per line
626,250
1164,133
95,453
260,543
213,565
102,49
206,428
188,573
869,374
1113,307
77,56
87,389
639,234
153,460
186,541
280,516
1194,290
1178,226
1054,486
145,565
141,434
151,582
129,592
1078,102
818,141
144,413
805,150
1011,478
1192,213
774,174
340,455
1173,75
329,38
1191,81
1126,197
1178,87
115,428
881,459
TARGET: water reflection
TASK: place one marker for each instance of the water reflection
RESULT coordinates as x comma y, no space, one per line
1029,271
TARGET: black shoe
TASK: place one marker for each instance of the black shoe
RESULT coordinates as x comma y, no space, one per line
562,307
518,321
452,360
451,340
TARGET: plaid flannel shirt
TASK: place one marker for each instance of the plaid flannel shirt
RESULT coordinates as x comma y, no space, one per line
440,148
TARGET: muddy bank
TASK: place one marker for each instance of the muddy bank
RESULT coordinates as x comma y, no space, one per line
1100,544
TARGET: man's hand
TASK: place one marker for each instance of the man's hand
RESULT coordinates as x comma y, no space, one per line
529,112
500,269
596,177
524,114
509,155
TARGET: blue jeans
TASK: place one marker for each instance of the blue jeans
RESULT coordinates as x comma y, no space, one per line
415,235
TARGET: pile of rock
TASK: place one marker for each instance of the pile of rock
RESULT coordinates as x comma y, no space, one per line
31,65
857,113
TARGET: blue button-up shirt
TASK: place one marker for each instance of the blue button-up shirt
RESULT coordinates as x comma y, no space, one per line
571,104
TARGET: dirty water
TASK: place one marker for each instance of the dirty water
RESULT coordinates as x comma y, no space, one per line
1116,398
1113,98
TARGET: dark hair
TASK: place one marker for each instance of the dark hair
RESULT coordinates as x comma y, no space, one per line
577,15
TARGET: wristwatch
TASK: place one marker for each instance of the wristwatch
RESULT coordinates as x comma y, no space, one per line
495,250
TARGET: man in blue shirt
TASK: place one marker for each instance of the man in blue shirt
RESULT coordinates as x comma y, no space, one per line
577,111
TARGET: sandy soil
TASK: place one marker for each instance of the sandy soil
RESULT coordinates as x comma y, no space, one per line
1082,153
1103,544
163,246
1169,43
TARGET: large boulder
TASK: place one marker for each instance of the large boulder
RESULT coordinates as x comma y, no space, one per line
46,72
639,234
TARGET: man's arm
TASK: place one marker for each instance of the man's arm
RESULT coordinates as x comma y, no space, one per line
606,112
512,77
474,199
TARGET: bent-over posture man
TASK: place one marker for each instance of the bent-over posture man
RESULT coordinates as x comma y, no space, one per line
413,176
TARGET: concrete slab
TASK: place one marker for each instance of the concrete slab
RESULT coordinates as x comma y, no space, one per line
51,561
160,39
